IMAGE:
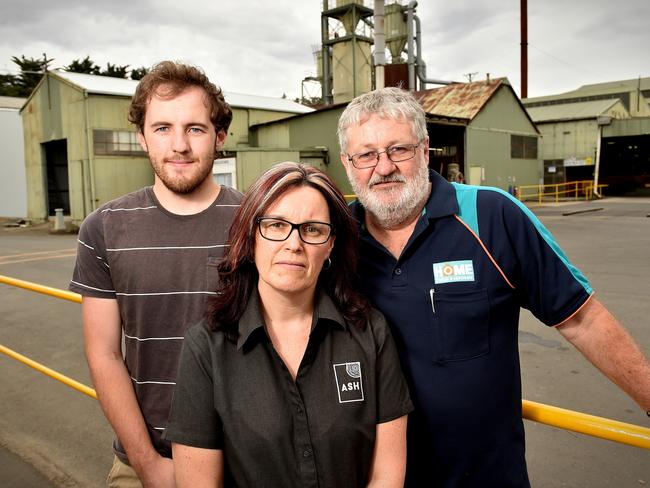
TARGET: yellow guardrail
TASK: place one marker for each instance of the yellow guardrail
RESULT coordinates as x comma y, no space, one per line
613,430
46,290
49,372
583,189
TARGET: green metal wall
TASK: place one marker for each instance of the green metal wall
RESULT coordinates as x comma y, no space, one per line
317,129
487,140
60,110
252,162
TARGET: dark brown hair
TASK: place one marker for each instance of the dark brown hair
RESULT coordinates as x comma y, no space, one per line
237,272
168,79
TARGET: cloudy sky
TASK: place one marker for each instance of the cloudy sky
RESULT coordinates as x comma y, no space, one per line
265,47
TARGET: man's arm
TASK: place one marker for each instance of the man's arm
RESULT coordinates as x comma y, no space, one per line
388,466
607,345
103,342
196,467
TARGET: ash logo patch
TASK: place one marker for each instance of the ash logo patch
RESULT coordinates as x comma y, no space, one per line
349,382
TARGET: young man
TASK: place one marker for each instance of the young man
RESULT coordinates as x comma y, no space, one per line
450,266
146,265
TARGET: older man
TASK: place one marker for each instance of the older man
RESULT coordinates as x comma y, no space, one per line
450,266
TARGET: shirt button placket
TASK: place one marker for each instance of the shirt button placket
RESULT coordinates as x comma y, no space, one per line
399,275
302,439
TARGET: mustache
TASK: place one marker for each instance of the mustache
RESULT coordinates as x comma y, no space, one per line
394,178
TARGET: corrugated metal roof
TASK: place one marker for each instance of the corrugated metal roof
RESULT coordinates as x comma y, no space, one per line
11,102
460,100
106,85
620,86
571,111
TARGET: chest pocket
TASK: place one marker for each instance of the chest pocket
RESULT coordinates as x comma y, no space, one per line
211,273
462,324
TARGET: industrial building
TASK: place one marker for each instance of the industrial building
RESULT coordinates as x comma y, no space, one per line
13,187
81,151
478,129
599,132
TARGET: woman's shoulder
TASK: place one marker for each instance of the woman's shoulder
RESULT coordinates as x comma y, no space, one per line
201,336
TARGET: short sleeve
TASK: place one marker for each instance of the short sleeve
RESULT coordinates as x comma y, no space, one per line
393,400
92,275
544,279
193,419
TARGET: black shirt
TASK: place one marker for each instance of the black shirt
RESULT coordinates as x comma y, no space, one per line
452,300
317,431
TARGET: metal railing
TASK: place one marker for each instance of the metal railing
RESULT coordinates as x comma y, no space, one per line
613,430
575,190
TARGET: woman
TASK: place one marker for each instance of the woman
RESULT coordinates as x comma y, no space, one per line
293,380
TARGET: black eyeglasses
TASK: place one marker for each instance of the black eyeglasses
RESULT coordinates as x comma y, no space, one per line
279,230
396,153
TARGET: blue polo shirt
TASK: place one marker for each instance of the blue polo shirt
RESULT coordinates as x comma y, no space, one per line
452,300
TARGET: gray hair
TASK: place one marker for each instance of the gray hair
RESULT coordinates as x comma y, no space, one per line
391,103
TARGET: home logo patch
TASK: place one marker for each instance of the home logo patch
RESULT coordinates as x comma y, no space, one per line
349,382
452,271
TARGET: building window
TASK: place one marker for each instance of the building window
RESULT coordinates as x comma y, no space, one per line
116,143
224,171
523,147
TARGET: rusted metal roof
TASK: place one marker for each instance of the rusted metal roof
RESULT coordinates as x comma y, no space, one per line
459,100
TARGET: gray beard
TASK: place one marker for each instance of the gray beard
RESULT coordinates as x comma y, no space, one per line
402,203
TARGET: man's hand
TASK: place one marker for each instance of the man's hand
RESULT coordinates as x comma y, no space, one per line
158,472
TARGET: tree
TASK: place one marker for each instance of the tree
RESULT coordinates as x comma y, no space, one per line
115,71
86,65
138,73
31,71
8,86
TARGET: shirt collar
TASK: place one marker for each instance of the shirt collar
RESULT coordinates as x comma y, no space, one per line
252,319
441,201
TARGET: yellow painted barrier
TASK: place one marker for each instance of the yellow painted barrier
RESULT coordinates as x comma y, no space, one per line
49,372
613,430
583,189
47,290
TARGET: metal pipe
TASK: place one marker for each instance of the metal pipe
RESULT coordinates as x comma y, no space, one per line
46,290
380,44
409,36
597,166
89,152
422,67
613,430
49,372
326,89
524,49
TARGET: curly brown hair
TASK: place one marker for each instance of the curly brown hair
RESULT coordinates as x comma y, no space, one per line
167,79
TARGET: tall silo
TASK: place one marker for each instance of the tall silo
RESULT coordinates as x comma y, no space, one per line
395,73
348,56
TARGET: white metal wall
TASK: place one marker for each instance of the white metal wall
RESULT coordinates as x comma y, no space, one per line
13,184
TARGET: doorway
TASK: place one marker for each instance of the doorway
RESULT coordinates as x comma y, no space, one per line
56,176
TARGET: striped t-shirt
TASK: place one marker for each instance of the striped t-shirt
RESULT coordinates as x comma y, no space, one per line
161,269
